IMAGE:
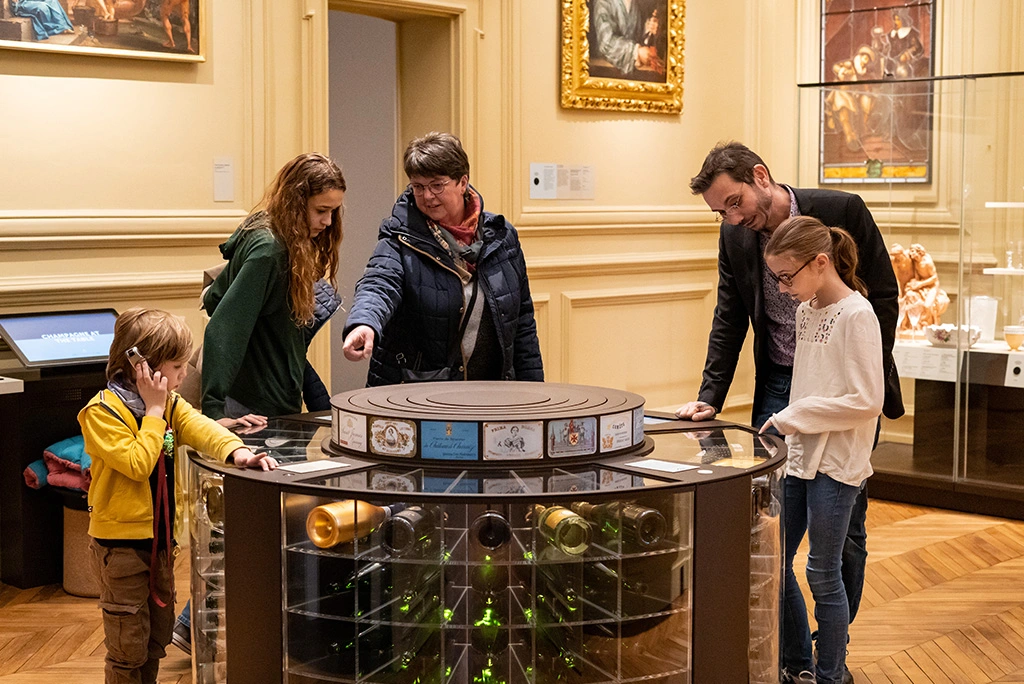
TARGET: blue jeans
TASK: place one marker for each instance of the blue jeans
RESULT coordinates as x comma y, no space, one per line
822,508
186,615
775,382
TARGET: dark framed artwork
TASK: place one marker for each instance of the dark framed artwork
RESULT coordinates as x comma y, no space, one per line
623,54
148,29
878,128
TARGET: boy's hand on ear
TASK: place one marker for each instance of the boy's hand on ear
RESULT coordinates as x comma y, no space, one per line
152,388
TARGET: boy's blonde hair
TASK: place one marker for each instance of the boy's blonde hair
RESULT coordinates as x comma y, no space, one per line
159,335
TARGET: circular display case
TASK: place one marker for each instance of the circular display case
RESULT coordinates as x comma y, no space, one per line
655,560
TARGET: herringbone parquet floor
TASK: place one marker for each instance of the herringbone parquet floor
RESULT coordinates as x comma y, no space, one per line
943,603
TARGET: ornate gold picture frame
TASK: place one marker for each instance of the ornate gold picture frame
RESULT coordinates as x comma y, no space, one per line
624,55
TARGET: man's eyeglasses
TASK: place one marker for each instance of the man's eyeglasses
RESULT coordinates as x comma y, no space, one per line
787,278
435,187
723,214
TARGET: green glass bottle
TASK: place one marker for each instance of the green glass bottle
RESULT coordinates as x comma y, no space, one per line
638,524
566,530
410,532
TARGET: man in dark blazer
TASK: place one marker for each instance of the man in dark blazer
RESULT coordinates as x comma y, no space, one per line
737,185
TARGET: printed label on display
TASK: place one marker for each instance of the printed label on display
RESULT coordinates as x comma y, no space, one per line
572,437
391,482
616,431
613,479
513,485
349,430
513,440
638,425
392,437
568,482
449,440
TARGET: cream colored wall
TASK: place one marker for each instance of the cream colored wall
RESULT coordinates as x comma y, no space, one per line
107,173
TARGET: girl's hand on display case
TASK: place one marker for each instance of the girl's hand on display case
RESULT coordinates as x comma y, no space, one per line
246,424
242,456
767,424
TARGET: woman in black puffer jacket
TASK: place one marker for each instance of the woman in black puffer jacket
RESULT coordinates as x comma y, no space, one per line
439,256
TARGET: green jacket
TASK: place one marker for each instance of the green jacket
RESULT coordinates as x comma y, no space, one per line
253,351
125,454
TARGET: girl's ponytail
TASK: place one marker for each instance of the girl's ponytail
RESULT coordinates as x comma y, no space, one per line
844,256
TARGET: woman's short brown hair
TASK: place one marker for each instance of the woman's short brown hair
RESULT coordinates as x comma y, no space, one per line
159,335
436,154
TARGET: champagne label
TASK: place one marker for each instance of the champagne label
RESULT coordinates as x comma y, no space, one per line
349,430
513,485
392,437
392,482
613,479
569,482
449,441
616,431
513,440
556,516
572,437
638,424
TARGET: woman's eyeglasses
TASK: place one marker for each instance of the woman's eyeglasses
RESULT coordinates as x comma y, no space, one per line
435,187
787,278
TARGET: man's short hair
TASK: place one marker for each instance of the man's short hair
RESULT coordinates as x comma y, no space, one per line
733,158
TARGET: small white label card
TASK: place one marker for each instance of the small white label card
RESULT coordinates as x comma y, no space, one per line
350,431
616,431
658,464
513,440
312,466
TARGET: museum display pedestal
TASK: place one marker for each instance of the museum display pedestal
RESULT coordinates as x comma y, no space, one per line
505,532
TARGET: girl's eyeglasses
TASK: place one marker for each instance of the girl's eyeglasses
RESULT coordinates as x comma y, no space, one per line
787,278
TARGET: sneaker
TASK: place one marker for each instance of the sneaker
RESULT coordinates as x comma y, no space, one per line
805,677
182,637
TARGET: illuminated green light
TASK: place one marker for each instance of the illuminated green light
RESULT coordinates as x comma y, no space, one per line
488,619
448,612
528,612
528,555
487,559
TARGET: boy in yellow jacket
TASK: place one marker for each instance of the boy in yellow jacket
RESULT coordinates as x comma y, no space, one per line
131,429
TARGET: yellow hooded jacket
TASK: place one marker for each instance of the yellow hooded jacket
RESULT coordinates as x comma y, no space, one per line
124,455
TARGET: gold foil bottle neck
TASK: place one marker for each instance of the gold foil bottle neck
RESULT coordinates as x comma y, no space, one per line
342,521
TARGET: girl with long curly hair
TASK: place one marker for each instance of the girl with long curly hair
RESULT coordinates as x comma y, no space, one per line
262,304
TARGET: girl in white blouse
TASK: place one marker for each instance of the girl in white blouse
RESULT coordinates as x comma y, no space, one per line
834,405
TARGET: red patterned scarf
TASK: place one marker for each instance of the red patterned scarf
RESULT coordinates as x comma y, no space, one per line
465,232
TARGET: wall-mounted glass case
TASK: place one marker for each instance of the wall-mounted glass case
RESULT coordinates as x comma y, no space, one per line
959,357
655,564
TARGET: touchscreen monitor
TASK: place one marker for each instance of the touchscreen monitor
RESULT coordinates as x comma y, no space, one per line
59,338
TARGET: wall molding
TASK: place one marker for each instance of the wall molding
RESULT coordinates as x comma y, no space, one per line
62,290
580,299
24,230
622,264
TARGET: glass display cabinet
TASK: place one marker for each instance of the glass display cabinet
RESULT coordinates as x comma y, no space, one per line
960,197
493,532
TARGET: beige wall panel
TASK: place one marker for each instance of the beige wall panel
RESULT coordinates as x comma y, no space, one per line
634,338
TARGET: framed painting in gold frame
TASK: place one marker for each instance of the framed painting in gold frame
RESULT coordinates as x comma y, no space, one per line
623,55
170,30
